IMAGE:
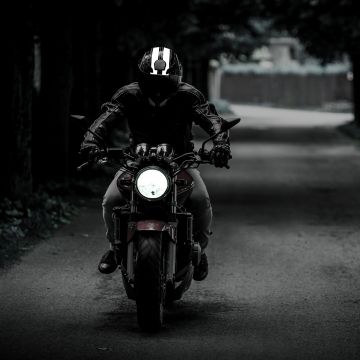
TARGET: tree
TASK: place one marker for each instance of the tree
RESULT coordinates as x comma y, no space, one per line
197,29
16,127
327,28
51,125
88,50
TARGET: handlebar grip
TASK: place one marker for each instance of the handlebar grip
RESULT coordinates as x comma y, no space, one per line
103,161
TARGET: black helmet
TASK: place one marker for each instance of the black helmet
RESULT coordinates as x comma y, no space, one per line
160,72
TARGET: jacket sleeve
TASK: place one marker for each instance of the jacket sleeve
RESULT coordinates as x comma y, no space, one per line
103,126
206,116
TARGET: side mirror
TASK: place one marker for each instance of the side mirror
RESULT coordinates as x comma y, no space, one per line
227,125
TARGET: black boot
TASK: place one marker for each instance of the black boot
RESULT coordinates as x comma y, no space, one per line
108,264
201,270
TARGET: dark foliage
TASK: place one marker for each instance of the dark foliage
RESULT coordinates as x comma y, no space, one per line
23,224
26,222
70,57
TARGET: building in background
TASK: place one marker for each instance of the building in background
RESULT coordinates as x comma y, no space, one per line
281,74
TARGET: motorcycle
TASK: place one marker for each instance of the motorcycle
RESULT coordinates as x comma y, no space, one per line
154,245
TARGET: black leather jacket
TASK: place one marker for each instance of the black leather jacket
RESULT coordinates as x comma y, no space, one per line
170,123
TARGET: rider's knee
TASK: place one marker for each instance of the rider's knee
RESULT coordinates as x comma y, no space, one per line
201,203
109,202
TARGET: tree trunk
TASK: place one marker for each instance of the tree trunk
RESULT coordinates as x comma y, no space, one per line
51,127
86,92
355,59
16,176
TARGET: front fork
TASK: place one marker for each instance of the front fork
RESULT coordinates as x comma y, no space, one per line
126,228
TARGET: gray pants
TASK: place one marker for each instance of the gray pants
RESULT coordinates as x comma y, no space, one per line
199,206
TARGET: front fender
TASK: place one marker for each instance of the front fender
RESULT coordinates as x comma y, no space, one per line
152,225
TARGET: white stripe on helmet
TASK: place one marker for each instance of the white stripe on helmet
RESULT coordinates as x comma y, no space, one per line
154,57
166,58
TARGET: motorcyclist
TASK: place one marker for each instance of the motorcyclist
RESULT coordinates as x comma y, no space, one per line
160,108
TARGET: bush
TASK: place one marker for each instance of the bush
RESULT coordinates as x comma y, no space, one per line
22,223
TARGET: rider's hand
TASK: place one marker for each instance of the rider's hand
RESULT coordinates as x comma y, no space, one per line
221,155
92,153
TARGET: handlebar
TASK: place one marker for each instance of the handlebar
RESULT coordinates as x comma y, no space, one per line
202,156
101,157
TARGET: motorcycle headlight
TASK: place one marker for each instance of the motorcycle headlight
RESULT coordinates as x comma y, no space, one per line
152,183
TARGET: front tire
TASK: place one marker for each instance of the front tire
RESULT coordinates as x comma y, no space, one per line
149,282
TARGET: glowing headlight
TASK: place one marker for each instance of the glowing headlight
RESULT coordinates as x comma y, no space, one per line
152,183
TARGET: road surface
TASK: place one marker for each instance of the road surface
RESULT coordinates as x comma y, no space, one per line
284,279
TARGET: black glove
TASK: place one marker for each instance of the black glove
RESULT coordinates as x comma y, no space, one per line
91,153
220,155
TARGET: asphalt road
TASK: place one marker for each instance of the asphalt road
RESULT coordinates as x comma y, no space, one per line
284,278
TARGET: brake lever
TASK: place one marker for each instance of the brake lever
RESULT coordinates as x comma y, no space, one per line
83,166
204,155
103,161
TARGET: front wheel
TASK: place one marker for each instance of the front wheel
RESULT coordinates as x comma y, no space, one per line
149,281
